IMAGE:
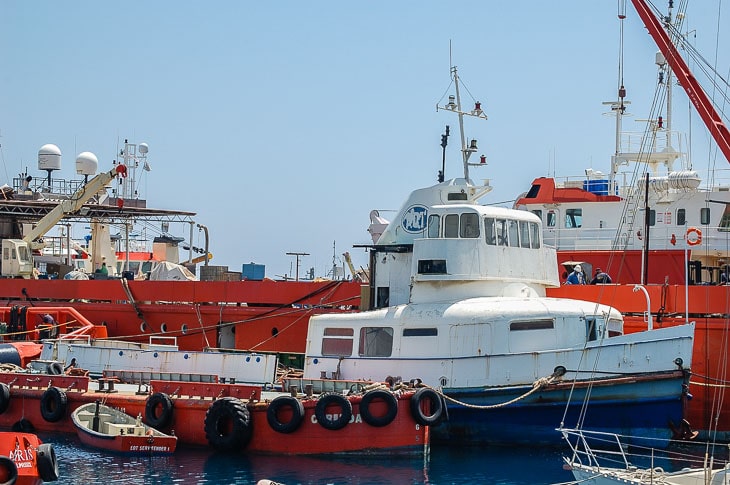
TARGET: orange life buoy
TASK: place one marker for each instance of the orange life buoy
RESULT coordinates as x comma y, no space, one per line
693,236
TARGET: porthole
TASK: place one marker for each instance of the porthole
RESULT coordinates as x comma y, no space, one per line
163,328
184,328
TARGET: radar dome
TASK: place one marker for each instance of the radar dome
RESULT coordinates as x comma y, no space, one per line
86,163
49,157
144,148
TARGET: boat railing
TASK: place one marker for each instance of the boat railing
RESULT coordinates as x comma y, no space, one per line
595,448
163,341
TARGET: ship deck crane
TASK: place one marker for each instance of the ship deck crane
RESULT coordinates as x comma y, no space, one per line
17,260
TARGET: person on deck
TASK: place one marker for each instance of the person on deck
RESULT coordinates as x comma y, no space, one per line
600,278
576,277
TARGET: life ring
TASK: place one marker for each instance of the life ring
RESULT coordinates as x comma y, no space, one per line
53,404
54,369
8,470
228,424
436,407
4,397
333,421
693,236
390,401
47,463
276,406
158,410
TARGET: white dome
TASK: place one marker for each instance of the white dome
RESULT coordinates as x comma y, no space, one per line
143,148
86,163
49,157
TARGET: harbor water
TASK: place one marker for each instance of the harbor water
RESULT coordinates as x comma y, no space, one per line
447,465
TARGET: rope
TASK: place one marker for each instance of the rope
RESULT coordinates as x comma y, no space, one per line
536,386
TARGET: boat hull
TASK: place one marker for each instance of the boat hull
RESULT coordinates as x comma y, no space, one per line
192,401
670,305
266,316
146,445
639,405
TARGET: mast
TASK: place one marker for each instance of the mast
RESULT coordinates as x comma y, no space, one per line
454,105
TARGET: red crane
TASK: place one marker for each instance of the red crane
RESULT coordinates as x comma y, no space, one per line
699,98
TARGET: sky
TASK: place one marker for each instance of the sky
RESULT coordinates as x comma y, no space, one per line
283,124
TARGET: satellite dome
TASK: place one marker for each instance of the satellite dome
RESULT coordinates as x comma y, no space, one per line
143,148
49,157
86,163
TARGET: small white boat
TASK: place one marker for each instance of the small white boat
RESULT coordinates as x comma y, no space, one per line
108,428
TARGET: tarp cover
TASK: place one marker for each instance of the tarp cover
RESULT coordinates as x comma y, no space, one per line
167,271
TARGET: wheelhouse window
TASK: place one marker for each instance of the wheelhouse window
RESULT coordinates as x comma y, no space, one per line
431,266
376,342
538,213
514,237
681,217
456,196
469,225
535,232
338,342
433,225
573,218
551,219
490,233
725,220
705,216
524,234
502,238
451,225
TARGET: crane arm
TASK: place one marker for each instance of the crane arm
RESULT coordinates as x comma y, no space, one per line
696,94
69,206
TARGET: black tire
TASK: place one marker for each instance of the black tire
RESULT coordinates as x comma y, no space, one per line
47,463
228,425
23,426
331,400
10,470
4,397
436,407
297,414
54,404
54,369
158,410
390,401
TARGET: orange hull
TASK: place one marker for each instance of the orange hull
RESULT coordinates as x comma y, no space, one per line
24,460
267,316
191,402
708,306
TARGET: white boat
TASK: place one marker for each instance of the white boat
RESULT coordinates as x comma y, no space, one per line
603,459
458,301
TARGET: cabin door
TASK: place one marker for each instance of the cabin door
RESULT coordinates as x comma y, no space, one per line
226,336
551,228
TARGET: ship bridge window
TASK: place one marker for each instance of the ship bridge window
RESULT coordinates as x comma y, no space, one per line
725,220
534,190
338,342
573,218
501,225
490,234
376,342
420,332
456,196
431,266
705,216
514,238
535,233
524,234
433,225
537,212
551,219
542,324
682,217
451,225
469,225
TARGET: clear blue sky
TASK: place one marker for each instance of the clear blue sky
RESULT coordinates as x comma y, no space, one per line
282,124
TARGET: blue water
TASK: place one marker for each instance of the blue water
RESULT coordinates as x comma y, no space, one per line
447,465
